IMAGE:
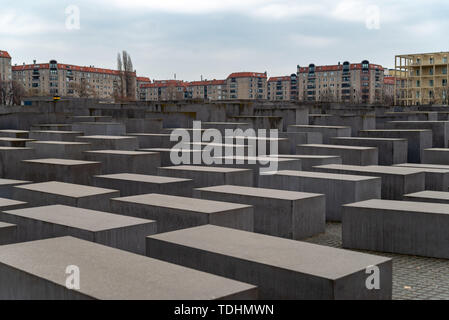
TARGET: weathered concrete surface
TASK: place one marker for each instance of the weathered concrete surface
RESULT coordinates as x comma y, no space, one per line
75,195
125,233
69,136
59,149
8,233
165,154
404,227
436,156
437,179
9,204
396,181
327,131
206,176
110,142
122,161
11,133
440,130
418,140
14,142
100,128
7,185
11,166
359,156
64,170
296,138
134,184
281,268
308,161
429,196
174,213
391,151
339,188
36,270
280,213
153,140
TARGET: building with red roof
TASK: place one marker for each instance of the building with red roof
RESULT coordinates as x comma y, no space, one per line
5,66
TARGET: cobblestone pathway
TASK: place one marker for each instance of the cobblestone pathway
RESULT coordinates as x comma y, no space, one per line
415,278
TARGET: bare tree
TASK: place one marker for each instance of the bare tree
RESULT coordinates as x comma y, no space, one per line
11,92
83,90
125,87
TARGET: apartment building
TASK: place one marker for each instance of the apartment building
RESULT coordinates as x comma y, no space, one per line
346,82
283,88
246,86
140,81
67,80
208,89
5,66
426,78
164,90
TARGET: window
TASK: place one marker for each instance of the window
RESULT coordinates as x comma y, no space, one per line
430,83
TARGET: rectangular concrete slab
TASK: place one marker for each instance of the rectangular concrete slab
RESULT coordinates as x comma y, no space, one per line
122,232
359,156
8,233
130,184
281,268
101,142
396,181
51,127
436,156
440,130
173,212
206,176
404,227
153,140
11,133
59,149
308,161
65,170
7,185
100,128
166,154
437,179
391,151
428,196
9,204
287,214
14,142
36,270
69,136
123,161
339,189
327,131
75,195
11,158
418,140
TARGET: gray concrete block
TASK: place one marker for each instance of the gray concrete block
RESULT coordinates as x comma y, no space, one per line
121,232
7,185
111,142
281,268
153,140
69,136
391,151
100,128
261,146
359,156
9,204
280,213
296,138
134,184
339,189
91,119
206,176
59,149
396,181
327,131
440,130
436,156
308,161
418,140
10,133
174,213
64,170
437,179
8,233
122,161
428,196
223,126
36,270
74,195
414,228
51,127
10,159
145,125
14,142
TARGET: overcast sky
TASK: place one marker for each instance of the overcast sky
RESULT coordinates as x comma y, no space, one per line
216,37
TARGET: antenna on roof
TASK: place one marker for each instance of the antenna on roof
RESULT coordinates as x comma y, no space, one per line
175,76
201,77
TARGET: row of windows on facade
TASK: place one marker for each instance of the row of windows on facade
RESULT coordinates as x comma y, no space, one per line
431,72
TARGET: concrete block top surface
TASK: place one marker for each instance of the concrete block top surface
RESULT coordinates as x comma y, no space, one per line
142,178
425,169
369,139
397,130
99,123
8,202
6,225
420,122
298,256
4,182
335,146
61,162
268,158
258,138
15,148
312,126
150,134
304,156
84,219
430,195
62,143
65,189
182,203
206,169
99,137
112,274
16,139
56,132
168,150
322,175
437,149
13,131
226,123
260,192
424,166
372,169
121,152
405,206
